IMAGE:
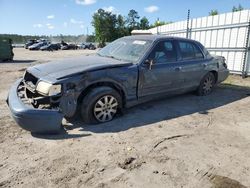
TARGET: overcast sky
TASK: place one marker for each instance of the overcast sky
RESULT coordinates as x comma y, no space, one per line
52,17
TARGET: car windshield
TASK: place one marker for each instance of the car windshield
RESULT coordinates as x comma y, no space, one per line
130,50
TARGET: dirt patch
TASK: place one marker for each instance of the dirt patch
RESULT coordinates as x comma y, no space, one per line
130,163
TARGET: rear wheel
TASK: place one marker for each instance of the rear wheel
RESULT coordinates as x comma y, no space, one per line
206,85
100,105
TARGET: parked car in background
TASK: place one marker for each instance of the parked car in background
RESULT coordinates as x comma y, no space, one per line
128,71
37,46
30,42
90,46
81,46
69,47
51,47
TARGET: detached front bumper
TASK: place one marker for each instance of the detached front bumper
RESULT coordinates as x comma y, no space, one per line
32,119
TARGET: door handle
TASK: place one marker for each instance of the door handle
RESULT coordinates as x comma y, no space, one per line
178,68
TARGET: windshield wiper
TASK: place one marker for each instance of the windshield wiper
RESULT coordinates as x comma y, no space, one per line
113,57
110,56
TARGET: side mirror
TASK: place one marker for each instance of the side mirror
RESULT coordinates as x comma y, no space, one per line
149,62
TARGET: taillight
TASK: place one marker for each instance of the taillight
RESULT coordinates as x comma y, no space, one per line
224,62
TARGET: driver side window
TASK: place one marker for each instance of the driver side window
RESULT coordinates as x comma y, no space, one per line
163,52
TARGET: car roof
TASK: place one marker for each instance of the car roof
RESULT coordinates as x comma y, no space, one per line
154,37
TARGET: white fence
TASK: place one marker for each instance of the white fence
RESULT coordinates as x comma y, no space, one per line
225,34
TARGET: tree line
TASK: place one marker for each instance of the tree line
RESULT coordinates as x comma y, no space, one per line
109,26
21,39
234,9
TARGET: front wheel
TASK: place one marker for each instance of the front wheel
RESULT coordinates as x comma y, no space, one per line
206,85
100,105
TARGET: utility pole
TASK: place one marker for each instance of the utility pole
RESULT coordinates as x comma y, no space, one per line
188,16
158,23
246,52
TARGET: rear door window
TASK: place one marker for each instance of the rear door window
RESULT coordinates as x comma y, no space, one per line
190,51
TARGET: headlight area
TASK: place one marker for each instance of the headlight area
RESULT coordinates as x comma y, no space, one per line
48,89
45,96
56,96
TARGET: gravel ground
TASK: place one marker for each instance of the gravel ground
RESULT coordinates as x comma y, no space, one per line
182,141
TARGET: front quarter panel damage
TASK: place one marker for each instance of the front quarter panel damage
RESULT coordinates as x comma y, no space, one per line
68,103
122,78
125,78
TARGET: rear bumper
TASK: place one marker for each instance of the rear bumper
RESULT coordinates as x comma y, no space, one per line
32,119
222,75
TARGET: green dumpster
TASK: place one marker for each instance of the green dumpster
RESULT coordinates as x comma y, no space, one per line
6,53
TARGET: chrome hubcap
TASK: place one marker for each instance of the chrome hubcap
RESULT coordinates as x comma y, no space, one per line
208,84
105,108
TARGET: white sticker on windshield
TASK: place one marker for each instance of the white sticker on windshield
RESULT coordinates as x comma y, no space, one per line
140,42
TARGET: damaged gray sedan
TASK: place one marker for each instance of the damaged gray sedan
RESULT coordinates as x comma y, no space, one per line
128,71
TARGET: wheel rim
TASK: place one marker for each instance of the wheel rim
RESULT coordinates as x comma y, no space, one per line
208,85
105,108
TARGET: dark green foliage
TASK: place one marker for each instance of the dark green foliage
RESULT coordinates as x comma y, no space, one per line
213,12
90,38
109,26
144,23
236,9
133,20
122,29
105,24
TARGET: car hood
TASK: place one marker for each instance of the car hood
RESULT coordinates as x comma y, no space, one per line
72,66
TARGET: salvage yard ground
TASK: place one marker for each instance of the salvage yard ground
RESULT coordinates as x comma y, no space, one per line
183,141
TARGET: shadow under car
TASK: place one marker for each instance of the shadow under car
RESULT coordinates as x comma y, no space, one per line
168,108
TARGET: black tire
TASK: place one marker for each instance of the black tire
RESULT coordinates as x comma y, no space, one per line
76,116
206,85
90,102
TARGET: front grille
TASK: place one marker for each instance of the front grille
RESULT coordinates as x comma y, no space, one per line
29,96
28,77
30,81
22,95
